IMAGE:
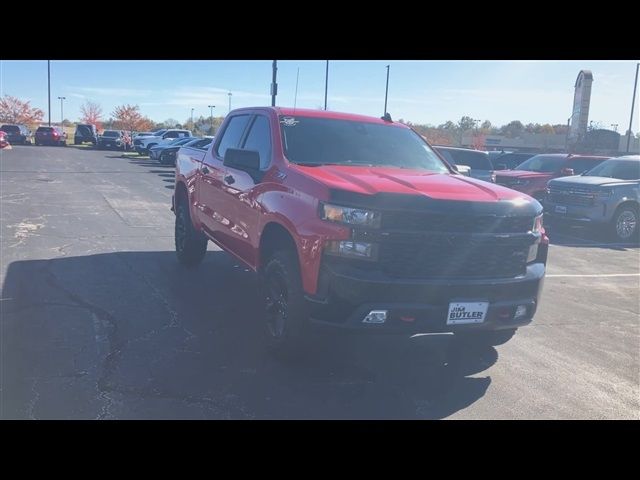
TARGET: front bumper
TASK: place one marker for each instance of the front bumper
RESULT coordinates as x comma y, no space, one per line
346,295
140,149
576,214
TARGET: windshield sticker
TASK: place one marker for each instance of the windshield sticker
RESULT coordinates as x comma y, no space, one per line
289,121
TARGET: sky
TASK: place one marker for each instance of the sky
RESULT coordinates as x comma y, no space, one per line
429,92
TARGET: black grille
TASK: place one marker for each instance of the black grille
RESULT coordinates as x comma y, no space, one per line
453,257
430,222
572,196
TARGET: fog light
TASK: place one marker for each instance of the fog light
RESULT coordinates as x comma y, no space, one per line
521,311
376,316
533,253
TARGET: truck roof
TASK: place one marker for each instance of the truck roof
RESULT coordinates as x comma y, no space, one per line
308,112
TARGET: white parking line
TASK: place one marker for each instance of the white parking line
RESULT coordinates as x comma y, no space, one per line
595,275
604,245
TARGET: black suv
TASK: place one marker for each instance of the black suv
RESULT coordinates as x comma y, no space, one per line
113,139
17,134
85,133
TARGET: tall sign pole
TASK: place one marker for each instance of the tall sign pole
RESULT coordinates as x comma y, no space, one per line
633,102
49,88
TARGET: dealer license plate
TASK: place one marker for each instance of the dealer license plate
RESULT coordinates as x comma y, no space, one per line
466,312
561,209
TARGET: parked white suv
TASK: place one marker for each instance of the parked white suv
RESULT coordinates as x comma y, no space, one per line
143,144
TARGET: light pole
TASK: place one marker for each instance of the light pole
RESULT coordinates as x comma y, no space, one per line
386,93
633,101
274,83
212,107
62,99
192,117
615,127
229,102
49,88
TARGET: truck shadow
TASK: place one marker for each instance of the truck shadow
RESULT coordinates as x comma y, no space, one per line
136,335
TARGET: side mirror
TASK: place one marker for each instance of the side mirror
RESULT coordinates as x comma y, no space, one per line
455,167
567,172
500,166
248,160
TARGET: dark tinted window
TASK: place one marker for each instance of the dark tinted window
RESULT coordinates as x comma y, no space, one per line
511,160
622,169
543,163
200,143
171,135
111,133
583,164
232,134
473,160
84,130
44,129
180,141
320,141
10,128
259,138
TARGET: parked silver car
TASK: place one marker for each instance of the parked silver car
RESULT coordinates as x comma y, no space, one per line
608,194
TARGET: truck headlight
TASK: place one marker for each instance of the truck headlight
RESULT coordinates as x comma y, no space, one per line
351,216
537,224
351,249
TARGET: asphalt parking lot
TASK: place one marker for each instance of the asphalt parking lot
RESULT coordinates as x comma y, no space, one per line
98,320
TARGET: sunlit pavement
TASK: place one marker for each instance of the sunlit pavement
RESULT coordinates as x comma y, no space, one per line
98,320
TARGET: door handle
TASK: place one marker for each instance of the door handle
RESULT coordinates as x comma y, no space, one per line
229,180
205,170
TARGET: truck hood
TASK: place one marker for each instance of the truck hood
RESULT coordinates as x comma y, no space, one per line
523,174
586,180
373,180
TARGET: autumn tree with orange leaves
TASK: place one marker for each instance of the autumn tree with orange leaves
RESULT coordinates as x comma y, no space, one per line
13,110
91,114
128,117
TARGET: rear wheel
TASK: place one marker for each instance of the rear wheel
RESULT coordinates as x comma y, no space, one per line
486,339
624,225
286,313
191,245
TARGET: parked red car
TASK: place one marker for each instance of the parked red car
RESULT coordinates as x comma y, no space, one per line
51,136
531,176
3,139
355,223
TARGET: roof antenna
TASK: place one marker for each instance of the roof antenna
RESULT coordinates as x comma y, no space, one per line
386,117
295,97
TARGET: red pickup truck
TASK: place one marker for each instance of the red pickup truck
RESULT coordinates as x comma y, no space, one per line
531,176
355,223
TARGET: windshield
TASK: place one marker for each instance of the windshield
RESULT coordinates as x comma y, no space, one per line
111,133
10,128
157,133
542,163
322,141
622,169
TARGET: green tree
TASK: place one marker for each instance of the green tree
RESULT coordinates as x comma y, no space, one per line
466,123
512,129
